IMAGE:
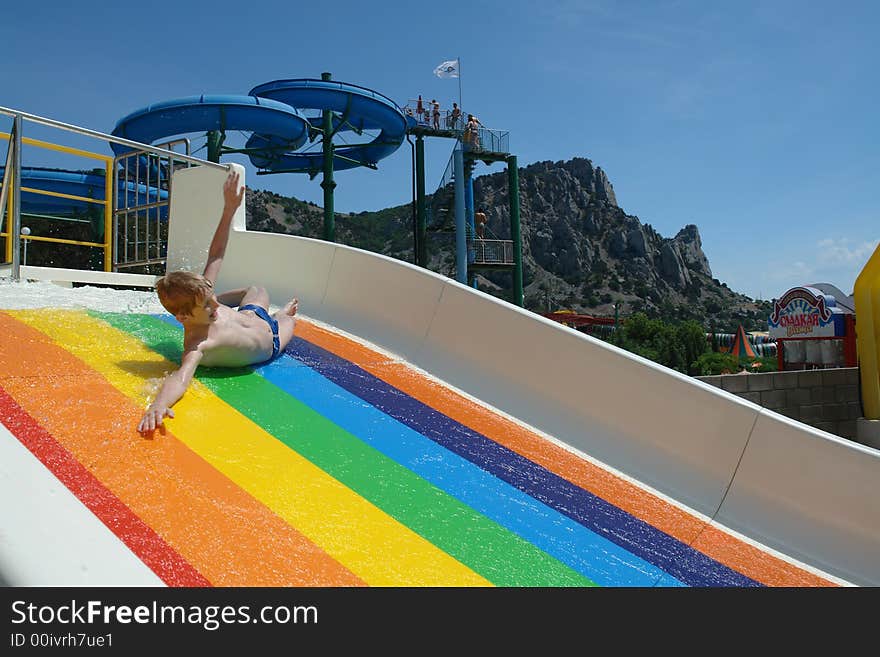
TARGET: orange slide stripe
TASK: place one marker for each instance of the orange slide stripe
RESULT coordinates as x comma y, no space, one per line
229,537
140,538
710,540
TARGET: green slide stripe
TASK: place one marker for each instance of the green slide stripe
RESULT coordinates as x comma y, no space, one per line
489,549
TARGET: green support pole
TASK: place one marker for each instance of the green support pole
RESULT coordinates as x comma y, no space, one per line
513,191
616,338
421,221
328,184
215,140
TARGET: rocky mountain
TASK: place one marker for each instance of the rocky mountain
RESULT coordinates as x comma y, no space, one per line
581,251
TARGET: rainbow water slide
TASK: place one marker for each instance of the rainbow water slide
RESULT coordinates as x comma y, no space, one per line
415,432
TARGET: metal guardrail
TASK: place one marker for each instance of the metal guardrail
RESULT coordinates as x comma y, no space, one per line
490,141
11,188
52,123
140,213
426,118
487,140
492,252
25,234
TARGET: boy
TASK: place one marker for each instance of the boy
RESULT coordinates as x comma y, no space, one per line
215,335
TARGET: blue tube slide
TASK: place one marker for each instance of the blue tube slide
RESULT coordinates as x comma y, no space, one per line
361,108
277,124
74,183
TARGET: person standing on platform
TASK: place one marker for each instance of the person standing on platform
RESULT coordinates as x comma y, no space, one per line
472,132
454,117
480,223
435,113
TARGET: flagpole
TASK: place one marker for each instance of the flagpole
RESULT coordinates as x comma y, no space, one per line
459,83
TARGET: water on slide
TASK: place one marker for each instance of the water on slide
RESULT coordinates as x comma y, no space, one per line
336,464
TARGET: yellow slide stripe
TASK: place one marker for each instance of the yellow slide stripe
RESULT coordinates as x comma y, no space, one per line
369,542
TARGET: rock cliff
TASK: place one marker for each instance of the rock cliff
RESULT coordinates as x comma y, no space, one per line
581,251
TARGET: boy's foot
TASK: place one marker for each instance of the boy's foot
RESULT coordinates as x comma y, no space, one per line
291,307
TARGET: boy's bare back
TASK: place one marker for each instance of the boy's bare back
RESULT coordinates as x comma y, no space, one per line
234,338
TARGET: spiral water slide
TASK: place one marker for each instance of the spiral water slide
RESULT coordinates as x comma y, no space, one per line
354,109
62,185
416,432
283,118
280,123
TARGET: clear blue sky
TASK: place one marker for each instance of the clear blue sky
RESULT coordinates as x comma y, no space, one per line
756,121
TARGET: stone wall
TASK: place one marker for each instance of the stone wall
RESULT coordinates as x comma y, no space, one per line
826,399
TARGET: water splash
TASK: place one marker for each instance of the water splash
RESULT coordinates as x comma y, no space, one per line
22,295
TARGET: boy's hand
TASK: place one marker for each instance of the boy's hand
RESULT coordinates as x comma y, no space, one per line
153,418
232,195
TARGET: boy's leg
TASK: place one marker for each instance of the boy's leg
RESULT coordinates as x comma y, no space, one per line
286,322
253,295
232,298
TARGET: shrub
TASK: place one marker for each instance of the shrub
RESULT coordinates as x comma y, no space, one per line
713,362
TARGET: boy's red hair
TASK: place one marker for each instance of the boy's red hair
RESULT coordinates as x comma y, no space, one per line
180,291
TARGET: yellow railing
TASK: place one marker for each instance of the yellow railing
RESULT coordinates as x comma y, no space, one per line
107,202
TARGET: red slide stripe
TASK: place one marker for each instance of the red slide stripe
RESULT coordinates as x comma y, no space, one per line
160,557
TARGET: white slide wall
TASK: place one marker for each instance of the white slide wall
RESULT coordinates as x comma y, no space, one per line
796,489
49,537
810,494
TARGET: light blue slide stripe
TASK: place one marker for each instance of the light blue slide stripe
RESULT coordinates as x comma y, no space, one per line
602,561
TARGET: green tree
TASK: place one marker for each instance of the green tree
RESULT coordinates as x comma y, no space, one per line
675,345
692,338
713,362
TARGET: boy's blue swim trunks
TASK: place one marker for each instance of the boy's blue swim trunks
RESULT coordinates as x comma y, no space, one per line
271,321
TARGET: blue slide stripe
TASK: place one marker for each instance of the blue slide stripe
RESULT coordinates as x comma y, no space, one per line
634,535
583,550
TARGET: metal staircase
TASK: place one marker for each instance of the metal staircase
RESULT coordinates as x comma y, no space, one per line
487,253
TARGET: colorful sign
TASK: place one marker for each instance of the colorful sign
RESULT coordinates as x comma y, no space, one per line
801,313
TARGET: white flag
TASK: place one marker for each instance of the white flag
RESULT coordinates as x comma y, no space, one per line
447,69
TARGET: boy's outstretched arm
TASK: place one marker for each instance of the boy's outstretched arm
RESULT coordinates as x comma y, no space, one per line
232,198
170,392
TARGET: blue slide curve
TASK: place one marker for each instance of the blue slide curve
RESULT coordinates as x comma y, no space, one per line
280,123
356,108
74,183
